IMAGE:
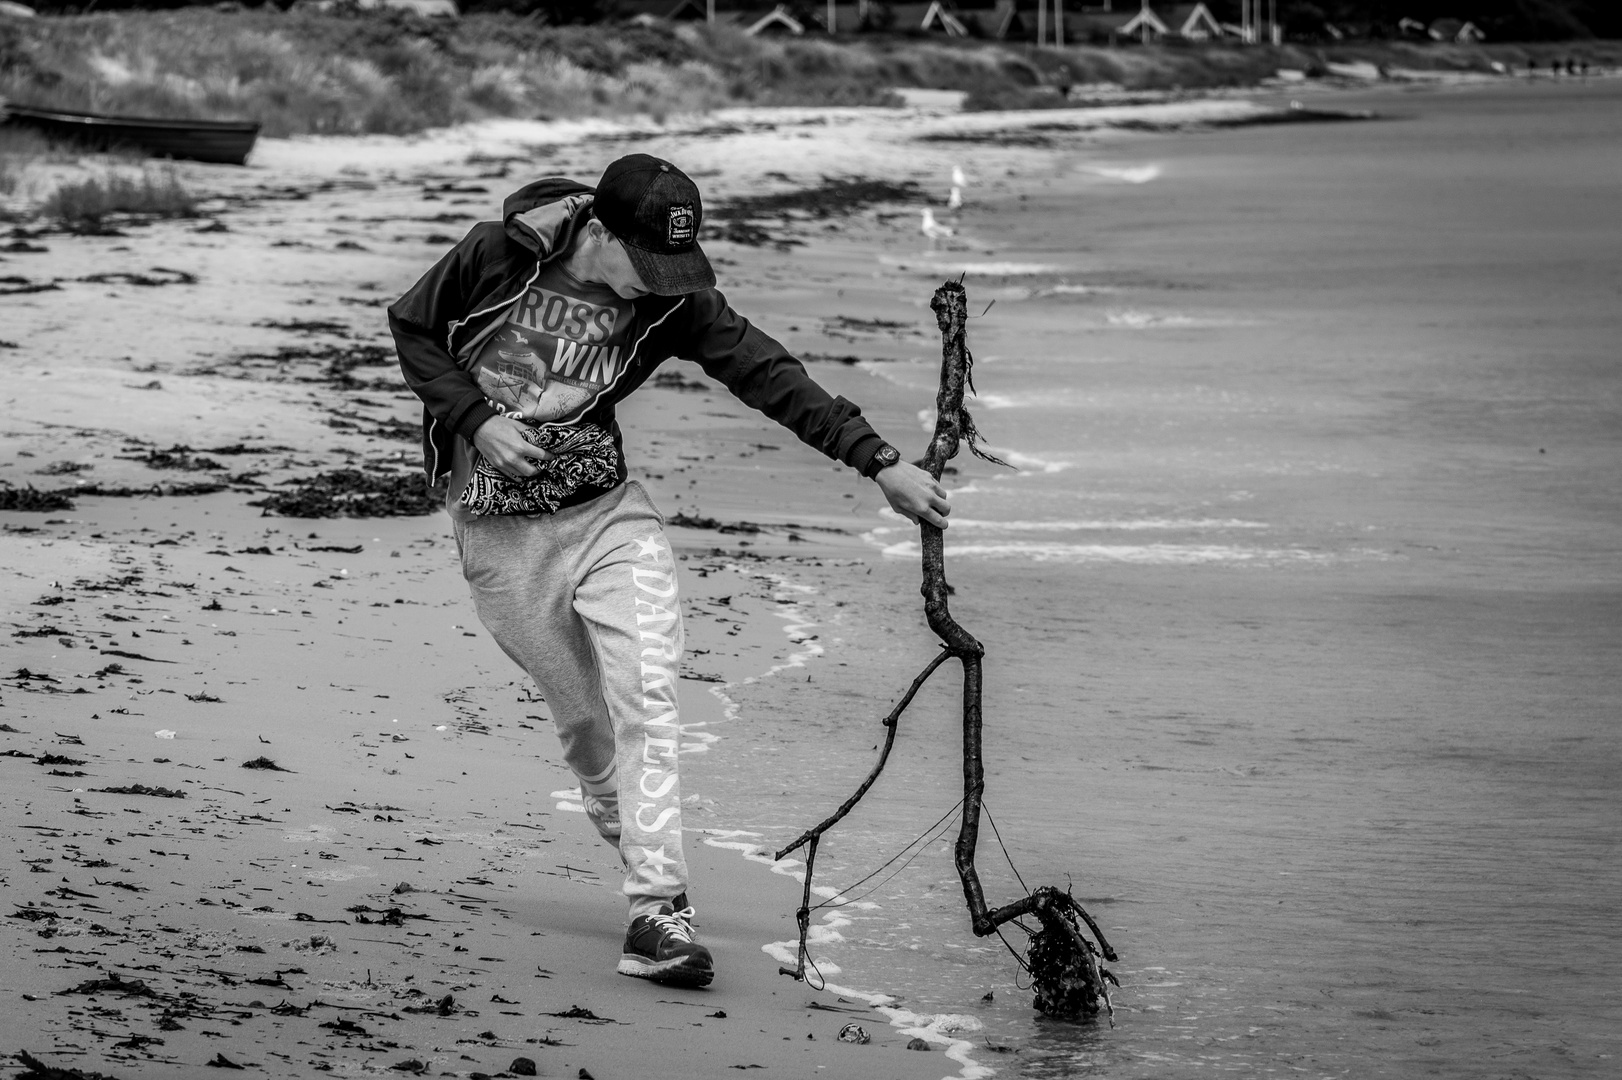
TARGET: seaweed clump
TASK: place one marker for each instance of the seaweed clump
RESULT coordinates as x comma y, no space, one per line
142,789
353,493
1065,974
739,220
31,498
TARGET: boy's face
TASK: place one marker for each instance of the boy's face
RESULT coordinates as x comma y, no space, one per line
613,265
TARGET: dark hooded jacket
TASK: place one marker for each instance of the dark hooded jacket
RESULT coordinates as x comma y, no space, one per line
441,322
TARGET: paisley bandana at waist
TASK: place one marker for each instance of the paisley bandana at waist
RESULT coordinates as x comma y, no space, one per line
582,456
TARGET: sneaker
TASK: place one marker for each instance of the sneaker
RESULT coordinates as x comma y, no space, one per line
661,947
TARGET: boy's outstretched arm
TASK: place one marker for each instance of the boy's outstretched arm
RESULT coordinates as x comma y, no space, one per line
764,375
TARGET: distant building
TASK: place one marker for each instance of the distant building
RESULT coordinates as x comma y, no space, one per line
776,21
1190,22
1098,25
1146,26
938,17
1007,23
1193,22
1443,29
934,17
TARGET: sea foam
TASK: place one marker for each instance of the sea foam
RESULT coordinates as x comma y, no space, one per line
1137,554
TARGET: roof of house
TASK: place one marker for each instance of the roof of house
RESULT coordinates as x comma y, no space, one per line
1183,18
1145,18
1105,20
938,15
777,18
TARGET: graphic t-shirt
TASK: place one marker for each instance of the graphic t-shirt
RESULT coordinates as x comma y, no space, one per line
563,343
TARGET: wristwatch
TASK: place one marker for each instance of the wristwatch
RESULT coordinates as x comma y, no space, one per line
886,456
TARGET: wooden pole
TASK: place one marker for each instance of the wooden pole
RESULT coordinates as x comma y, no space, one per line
1058,23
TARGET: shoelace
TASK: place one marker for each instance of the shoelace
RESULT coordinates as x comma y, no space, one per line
678,923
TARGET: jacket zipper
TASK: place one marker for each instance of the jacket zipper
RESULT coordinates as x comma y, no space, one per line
450,331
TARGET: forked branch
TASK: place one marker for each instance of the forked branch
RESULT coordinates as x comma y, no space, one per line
1063,963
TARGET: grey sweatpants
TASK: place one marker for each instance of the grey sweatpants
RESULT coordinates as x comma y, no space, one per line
585,601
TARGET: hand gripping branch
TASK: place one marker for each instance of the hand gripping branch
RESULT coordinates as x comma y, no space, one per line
1062,961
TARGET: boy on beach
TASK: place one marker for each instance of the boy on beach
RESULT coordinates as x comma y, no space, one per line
520,342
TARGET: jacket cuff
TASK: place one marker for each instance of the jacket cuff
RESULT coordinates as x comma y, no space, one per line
860,456
469,421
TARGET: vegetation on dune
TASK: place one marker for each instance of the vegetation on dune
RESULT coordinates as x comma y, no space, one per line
18,148
151,193
390,72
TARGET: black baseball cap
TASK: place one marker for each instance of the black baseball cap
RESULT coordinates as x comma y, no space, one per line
655,209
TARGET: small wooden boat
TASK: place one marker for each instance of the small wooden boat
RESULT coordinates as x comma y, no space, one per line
223,142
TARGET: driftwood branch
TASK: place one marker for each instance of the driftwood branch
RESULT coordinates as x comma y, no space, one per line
1072,985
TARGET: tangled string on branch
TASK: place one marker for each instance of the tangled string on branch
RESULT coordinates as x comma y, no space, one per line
1062,961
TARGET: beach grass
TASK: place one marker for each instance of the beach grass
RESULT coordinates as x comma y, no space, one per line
151,193
18,148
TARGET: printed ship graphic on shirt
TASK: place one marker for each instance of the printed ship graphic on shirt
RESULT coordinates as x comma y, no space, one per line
553,357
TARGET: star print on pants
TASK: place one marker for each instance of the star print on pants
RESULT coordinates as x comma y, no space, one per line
657,861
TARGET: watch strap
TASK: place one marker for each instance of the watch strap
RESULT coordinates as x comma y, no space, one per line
883,457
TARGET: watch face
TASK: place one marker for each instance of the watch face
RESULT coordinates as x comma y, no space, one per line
887,455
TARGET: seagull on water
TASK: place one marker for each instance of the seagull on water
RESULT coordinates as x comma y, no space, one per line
934,229
954,201
958,179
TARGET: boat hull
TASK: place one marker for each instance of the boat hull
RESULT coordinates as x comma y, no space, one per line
223,142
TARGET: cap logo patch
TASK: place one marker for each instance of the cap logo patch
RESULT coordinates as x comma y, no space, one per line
680,231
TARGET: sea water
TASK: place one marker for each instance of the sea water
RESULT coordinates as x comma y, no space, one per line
1303,606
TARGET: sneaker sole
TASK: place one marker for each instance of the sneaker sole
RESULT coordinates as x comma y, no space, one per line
676,971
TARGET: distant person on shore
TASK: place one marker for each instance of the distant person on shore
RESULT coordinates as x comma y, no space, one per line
520,342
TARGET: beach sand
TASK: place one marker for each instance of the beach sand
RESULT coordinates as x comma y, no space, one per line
1328,641
410,887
